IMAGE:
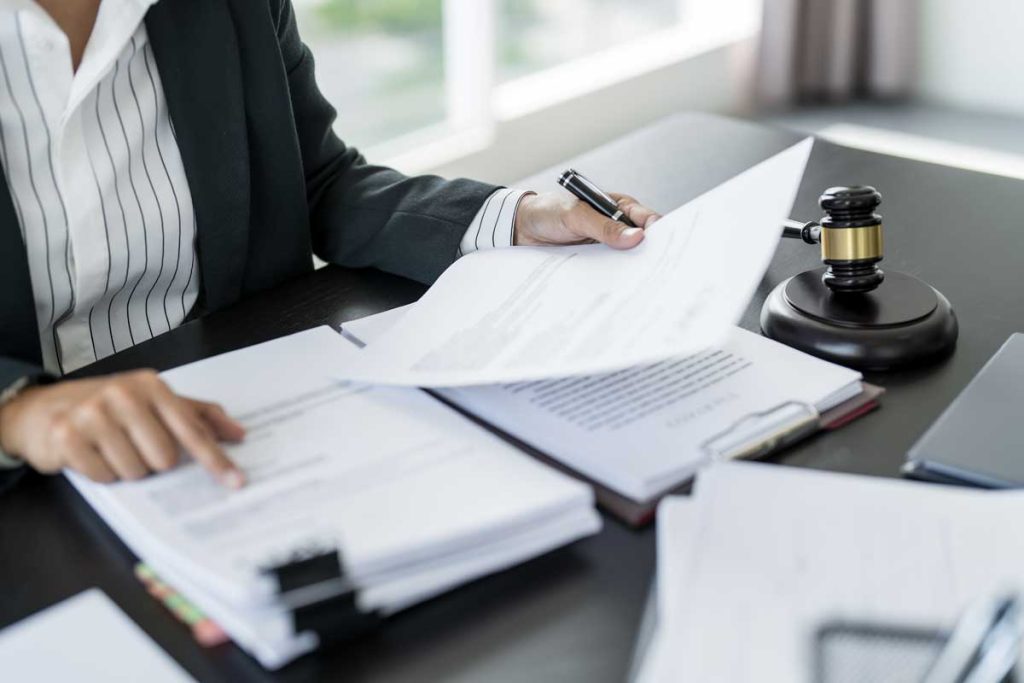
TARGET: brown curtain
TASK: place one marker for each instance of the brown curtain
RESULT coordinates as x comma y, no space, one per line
836,50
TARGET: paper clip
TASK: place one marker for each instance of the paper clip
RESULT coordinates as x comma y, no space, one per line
760,434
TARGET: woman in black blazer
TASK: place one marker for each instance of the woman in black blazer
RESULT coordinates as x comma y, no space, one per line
271,185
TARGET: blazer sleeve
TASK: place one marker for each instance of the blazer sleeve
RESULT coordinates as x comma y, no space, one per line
363,215
12,371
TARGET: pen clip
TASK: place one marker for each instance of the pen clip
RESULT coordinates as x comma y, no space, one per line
584,180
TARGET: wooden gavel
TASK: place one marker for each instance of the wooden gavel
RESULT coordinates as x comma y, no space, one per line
843,312
850,235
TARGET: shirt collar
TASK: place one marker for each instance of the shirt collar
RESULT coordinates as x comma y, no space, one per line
15,5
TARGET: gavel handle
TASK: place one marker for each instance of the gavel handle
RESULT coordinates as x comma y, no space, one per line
809,232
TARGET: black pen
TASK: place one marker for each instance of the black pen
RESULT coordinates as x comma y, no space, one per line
595,197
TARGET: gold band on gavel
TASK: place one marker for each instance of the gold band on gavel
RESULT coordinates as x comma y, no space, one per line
851,244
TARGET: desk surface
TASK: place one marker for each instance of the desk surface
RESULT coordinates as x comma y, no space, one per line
571,615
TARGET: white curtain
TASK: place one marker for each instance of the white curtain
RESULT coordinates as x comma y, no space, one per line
836,50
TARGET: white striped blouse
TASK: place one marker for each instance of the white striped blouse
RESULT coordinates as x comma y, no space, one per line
99,187
97,183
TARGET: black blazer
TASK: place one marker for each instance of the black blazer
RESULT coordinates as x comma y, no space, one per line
270,182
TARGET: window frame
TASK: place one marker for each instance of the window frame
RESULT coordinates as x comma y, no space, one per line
476,104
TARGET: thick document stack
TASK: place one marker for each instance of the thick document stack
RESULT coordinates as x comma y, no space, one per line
763,564
640,432
360,501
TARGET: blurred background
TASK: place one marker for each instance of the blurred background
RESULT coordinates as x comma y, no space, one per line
498,89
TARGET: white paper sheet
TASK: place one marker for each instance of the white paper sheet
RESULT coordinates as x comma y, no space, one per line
675,528
640,431
85,639
779,551
508,315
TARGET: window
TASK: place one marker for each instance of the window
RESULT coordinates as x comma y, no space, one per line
437,75
379,62
538,34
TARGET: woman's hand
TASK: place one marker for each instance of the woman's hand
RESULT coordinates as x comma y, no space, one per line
559,218
124,426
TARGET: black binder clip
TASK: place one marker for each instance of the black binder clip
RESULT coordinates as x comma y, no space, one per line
314,587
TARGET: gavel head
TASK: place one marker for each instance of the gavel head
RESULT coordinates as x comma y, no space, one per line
851,238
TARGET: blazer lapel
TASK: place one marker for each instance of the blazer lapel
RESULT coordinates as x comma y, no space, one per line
196,50
17,305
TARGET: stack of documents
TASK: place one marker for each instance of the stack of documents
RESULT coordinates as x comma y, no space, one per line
644,430
359,500
762,557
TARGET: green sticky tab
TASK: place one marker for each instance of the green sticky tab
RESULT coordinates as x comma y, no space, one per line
190,614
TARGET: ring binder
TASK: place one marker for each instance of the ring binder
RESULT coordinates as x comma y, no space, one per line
320,596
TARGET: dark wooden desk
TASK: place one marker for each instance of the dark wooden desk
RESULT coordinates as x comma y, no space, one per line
570,615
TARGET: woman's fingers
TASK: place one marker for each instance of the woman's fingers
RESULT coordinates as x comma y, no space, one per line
119,427
637,212
142,426
132,404
79,454
223,425
106,437
589,224
191,429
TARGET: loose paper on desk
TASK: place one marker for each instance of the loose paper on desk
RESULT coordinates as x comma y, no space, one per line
85,639
770,554
508,315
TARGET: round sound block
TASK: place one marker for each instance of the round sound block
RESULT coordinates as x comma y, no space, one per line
902,323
